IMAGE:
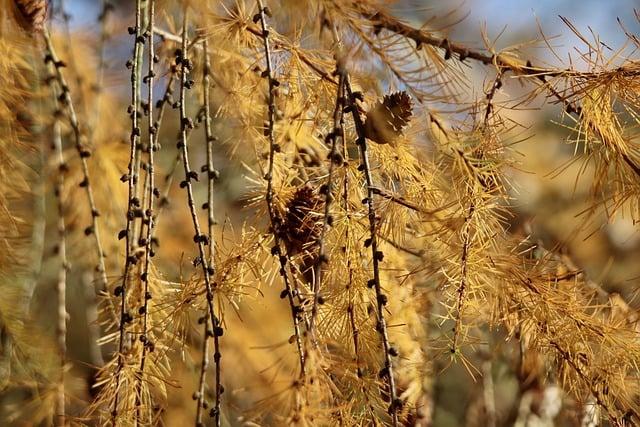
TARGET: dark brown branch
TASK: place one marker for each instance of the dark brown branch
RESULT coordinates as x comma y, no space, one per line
277,250
377,255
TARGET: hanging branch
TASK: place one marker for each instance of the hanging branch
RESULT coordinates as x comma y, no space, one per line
186,124
153,192
273,217
61,284
212,175
377,255
65,100
335,159
466,226
133,203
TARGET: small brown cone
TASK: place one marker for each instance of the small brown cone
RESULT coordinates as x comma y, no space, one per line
31,14
387,119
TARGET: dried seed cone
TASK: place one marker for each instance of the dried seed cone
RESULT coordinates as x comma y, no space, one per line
31,14
387,119
301,226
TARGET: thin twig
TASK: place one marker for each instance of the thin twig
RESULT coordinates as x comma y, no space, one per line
66,101
199,238
336,134
377,255
133,202
61,284
275,221
153,192
211,176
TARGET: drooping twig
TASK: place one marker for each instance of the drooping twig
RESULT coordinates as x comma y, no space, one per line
153,192
133,203
335,159
61,284
212,174
199,238
273,217
66,101
93,327
377,255
463,282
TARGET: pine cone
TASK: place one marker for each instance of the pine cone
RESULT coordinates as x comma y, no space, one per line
31,14
386,120
301,227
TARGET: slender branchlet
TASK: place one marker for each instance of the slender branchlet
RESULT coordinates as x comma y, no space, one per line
186,124
212,174
470,210
61,284
91,293
133,202
377,255
335,159
138,222
65,100
273,149
152,193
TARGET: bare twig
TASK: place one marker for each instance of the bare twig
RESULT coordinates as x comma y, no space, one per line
336,134
273,217
199,238
133,202
153,192
212,173
61,284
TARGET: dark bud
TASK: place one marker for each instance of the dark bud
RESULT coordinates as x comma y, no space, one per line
384,372
371,283
142,310
118,291
393,352
122,234
284,294
367,242
131,30
382,299
379,255
88,231
396,405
